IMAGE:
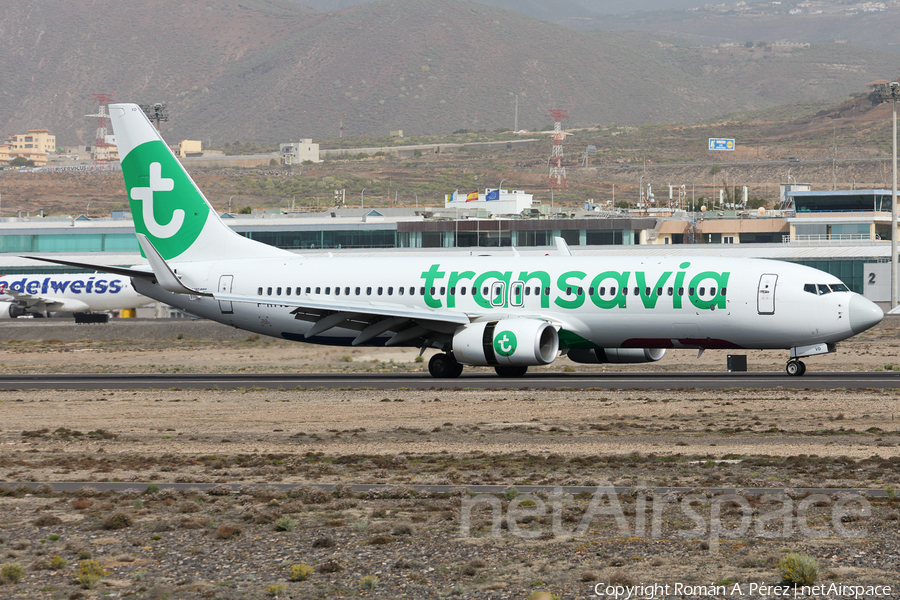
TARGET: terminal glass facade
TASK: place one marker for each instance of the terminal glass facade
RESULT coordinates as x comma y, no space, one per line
70,242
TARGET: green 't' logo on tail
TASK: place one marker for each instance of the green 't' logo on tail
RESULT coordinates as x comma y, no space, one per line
166,205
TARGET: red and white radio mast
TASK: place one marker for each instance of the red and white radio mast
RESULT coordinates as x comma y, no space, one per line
557,170
101,146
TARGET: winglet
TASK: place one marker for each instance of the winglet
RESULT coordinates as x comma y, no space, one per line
164,276
562,248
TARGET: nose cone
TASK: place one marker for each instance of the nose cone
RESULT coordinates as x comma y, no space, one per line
863,314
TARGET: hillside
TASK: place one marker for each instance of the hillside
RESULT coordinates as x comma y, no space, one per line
272,70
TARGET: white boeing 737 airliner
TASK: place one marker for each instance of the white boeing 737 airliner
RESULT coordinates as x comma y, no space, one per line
40,295
509,312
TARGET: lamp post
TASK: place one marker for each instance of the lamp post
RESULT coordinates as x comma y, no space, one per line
500,188
362,197
229,204
87,211
891,92
641,192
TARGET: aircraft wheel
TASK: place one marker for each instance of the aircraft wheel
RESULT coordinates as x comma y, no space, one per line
795,368
444,366
511,371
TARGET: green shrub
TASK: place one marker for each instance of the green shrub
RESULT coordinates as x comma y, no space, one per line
275,589
89,573
799,569
285,523
301,572
12,572
58,562
151,489
369,582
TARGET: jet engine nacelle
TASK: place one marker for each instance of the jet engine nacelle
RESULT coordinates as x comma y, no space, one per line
616,355
11,310
508,342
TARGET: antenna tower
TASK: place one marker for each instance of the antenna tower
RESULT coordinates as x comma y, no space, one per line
557,170
101,146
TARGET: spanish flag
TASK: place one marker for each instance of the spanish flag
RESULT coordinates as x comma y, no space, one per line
472,196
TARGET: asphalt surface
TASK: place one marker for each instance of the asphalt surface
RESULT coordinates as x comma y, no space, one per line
580,381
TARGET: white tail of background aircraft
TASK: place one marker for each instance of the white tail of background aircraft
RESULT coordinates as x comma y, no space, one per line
509,312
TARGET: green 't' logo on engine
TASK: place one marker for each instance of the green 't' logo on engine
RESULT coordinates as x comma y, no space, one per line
505,343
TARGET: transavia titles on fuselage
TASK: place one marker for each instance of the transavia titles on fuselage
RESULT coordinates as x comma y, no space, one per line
509,312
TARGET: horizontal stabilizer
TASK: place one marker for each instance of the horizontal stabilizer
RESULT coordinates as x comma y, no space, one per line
164,276
123,271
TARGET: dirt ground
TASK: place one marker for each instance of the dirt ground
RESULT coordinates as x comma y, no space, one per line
403,542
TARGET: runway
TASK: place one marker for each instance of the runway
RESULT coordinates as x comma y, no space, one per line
557,381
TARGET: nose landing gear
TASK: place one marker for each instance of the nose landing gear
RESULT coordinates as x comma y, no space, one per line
795,367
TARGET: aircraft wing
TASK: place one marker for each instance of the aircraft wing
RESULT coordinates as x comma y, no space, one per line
47,303
371,319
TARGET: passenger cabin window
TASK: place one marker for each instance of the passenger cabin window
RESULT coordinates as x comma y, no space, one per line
380,291
337,291
702,291
528,291
287,291
279,292
268,291
546,291
328,291
722,291
452,291
412,291
400,290
259,291
346,291
390,291
301,289
462,291
690,291
368,291
357,291
443,291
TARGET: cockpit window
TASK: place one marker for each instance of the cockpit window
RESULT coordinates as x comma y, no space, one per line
823,289
839,287
811,288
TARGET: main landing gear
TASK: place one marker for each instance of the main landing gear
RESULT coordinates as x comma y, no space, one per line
795,367
444,366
